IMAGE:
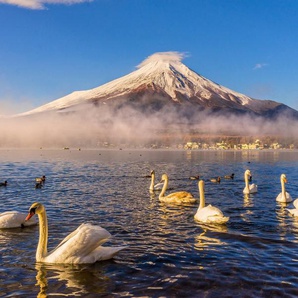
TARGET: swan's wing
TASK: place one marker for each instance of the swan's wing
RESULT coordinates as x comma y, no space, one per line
284,199
158,186
253,188
211,214
76,247
15,219
102,253
180,195
293,212
295,203
288,197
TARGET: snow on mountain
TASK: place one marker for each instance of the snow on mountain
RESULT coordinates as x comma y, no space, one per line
163,72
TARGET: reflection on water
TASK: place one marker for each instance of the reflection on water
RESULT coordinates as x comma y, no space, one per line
169,254
209,236
50,279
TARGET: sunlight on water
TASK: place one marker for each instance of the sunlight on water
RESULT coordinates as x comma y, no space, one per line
169,254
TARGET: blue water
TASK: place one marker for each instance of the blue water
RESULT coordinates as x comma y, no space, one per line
169,254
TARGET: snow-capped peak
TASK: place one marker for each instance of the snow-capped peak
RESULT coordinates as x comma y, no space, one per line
164,71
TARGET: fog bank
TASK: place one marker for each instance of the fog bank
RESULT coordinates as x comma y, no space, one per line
92,127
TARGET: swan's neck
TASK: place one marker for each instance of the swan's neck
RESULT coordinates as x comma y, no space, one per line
283,187
246,181
202,198
152,182
164,188
42,248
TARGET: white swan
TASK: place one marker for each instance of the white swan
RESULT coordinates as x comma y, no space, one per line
249,188
294,211
154,186
175,197
15,219
82,246
208,214
283,196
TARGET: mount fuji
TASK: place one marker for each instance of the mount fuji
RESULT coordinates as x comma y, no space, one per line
163,81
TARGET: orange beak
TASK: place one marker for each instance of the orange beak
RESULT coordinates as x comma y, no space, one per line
30,214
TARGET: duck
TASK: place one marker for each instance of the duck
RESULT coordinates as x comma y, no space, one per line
82,246
249,188
154,186
208,214
15,219
38,184
294,212
41,179
284,196
175,197
215,180
3,183
229,176
194,177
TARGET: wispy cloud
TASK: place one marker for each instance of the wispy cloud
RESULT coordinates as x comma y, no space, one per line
164,56
40,4
260,65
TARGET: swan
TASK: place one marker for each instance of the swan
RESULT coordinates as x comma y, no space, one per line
15,219
175,197
154,186
283,196
215,180
208,214
82,246
249,188
294,211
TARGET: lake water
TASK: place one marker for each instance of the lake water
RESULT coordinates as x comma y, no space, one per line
169,254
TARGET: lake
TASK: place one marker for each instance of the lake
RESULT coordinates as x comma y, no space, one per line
169,254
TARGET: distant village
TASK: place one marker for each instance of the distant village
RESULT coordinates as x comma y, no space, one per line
211,144
256,145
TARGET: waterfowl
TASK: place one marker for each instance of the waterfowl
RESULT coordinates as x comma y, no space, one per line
284,196
82,246
215,180
40,179
176,197
15,219
154,186
38,184
229,176
249,188
3,183
194,177
294,211
208,214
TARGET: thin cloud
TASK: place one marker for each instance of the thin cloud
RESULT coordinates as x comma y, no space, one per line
164,56
260,65
40,4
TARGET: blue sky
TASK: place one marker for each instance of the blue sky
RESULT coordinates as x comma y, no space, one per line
50,48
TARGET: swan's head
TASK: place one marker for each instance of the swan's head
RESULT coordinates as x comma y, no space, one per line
283,178
36,208
152,172
247,173
164,177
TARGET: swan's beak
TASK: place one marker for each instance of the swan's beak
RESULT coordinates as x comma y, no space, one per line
30,214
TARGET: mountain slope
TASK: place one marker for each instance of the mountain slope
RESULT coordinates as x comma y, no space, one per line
162,80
